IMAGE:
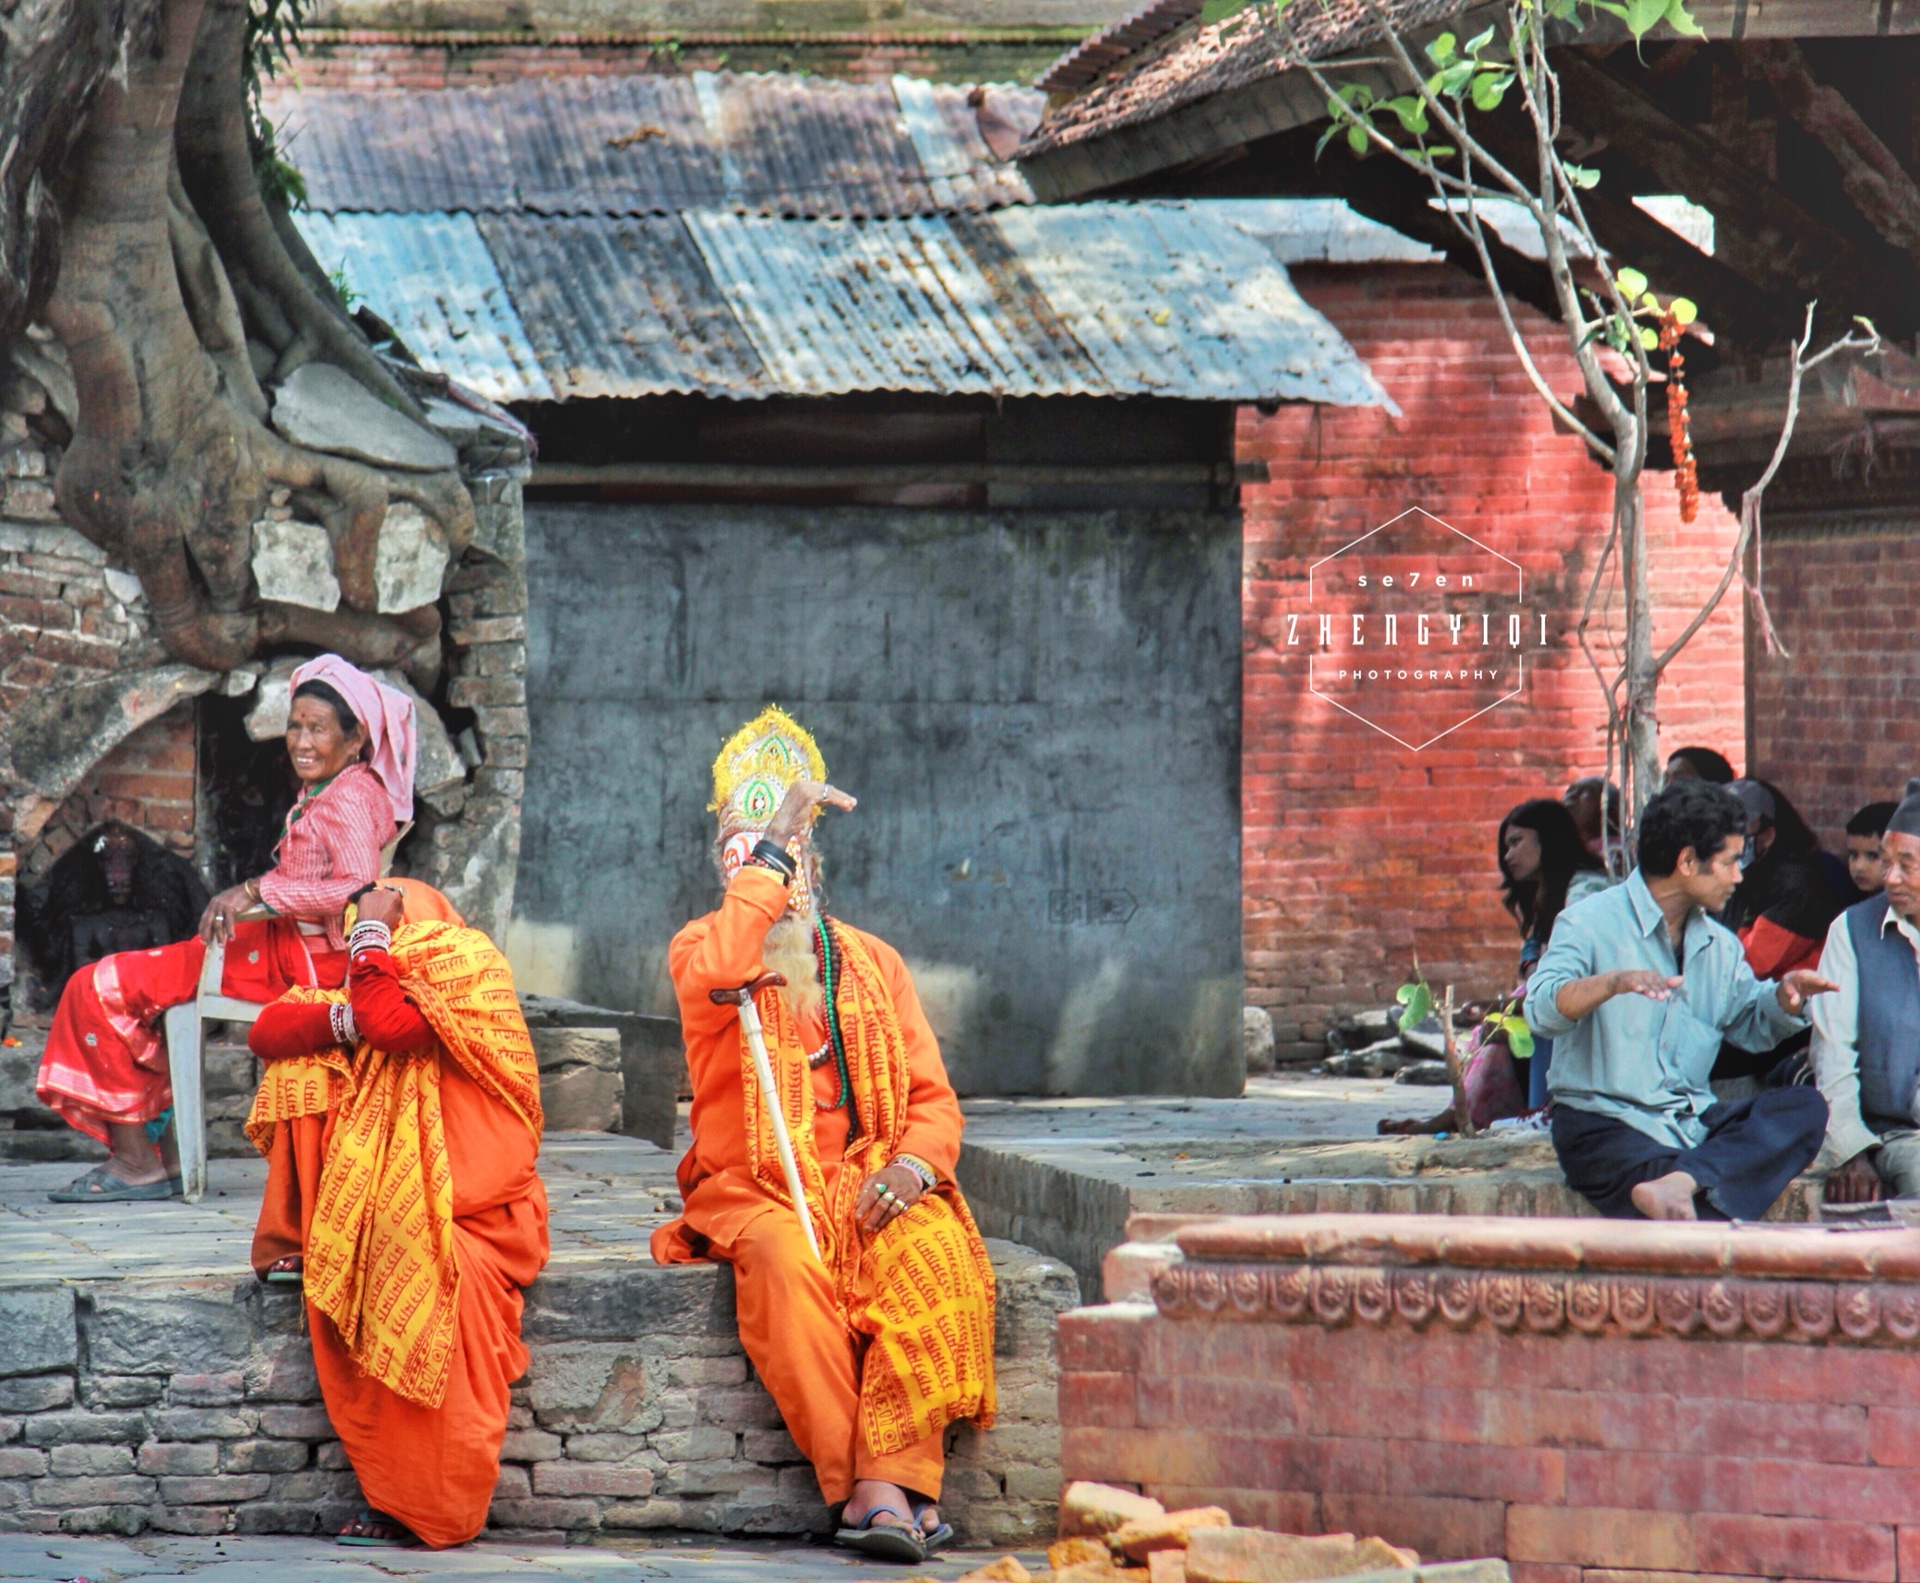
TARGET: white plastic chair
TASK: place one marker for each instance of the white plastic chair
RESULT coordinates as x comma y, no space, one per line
186,1026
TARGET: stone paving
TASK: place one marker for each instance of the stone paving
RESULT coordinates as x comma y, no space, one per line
242,1559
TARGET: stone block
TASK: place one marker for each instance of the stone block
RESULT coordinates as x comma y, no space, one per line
123,1520
645,1514
750,1407
22,1462
410,560
280,1369
773,1446
530,1445
55,1429
121,1390
80,1461
695,1445
574,1478
708,1371
604,1448
577,1096
327,409
209,1390
314,1486
279,1517
203,1521
513,1484
92,1491
39,1326
293,565
331,1457
205,1423
132,1333
215,1488
568,1515
262,1456
36,1393
716,1478
295,1423
674,1300
179,1457
592,1386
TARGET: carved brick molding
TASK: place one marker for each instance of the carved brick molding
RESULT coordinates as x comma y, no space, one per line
1634,1305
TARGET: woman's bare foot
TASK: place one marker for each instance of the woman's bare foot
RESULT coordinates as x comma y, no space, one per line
1669,1197
134,1158
877,1495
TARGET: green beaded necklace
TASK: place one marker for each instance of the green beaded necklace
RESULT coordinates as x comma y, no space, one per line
829,979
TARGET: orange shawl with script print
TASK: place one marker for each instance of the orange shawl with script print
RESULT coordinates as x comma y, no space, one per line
923,1288
380,1253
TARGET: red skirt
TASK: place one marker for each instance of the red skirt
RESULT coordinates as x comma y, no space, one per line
106,1061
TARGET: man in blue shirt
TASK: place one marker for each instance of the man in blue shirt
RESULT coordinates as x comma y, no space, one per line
1637,989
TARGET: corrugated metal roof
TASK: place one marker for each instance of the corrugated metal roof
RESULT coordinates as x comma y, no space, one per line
759,143
622,307
433,278
1213,318
1024,302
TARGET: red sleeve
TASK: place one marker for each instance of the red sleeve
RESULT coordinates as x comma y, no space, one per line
1773,951
289,1028
382,1013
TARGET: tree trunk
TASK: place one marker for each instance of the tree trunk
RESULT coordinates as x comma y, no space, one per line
1640,749
174,286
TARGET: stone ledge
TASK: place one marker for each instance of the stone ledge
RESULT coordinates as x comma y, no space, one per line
192,1406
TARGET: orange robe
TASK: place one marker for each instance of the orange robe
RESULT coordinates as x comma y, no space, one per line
790,1319
433,1468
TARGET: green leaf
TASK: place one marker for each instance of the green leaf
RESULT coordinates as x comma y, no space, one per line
1582,176
1326,137
1357,139
1417,1001
1439,151
1684,312
1612,7
1681,22
1454,79
1643,16
1519,1037
1649,338
1489,88
1440,51
1631,283
1649,300
1412,111
1865,323
1479,41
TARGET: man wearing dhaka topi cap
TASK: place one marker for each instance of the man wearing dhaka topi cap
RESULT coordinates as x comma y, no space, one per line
872,1345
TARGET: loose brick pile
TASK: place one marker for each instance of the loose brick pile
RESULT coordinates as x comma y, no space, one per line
1598,1402
193,1408
1358,853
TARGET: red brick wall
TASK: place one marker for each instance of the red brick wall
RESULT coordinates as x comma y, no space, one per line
1580,1459
1833,724
1358,853
147,781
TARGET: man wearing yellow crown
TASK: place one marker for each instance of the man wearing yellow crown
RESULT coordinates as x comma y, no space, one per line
874,1346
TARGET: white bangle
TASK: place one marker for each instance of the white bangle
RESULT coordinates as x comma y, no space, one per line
340,1015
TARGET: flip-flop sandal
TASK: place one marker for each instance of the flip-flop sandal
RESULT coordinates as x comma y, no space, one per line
940,1538
101,1186
377,1531
887,1542
290,1271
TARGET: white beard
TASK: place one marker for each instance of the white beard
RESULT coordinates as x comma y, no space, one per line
788,951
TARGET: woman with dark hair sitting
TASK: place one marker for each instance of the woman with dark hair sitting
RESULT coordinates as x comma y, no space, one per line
352,744
1544,868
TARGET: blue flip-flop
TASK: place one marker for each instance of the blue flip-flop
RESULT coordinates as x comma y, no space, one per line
940,1538
888,1542
101,1186
397,1537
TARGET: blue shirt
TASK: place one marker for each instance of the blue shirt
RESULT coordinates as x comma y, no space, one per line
1646,1062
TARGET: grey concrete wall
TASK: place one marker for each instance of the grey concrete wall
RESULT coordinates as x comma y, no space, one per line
1038,711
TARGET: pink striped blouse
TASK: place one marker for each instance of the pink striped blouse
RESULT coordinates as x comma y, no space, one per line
331,847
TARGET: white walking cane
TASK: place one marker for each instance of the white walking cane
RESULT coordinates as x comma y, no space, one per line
769,1095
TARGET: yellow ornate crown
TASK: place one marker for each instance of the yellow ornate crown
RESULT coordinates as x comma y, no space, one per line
757,765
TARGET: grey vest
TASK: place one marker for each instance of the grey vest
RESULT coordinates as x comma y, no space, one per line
1889,1032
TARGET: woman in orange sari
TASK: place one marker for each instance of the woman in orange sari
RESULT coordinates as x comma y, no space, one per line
401,1118
352,744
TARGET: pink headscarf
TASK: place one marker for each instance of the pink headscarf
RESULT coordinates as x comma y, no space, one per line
393,745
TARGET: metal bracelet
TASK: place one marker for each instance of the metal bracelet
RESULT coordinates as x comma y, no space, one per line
776,857
929,1178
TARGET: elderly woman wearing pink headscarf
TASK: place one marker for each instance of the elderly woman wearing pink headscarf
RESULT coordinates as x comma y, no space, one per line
353,747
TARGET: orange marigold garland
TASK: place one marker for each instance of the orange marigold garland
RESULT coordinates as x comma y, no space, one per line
1686,474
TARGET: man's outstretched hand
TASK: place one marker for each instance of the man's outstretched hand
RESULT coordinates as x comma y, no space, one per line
1800,986
797,808
1856,1182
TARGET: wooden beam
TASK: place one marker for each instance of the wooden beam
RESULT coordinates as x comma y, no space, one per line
1782,247
1873,179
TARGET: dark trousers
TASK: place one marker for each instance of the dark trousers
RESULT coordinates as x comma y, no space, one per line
1752,1149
